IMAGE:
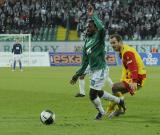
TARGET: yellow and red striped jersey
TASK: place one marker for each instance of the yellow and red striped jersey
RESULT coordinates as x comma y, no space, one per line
133,68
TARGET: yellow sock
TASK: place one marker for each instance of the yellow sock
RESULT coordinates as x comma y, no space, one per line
119,94
112,105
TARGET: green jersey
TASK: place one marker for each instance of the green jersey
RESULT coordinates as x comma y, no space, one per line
94,49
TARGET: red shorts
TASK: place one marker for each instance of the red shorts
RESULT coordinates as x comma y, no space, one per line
140,83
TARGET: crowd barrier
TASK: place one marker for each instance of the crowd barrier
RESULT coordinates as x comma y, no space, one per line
69,53
69,59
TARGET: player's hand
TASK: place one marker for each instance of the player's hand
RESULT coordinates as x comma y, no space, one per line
133,86
74,79
90,10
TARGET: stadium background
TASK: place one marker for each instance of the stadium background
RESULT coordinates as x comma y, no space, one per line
50,21
57,29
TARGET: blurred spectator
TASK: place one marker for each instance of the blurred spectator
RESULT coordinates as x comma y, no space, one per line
137,20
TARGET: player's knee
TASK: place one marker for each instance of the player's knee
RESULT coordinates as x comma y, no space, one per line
100,93
114,89
93,94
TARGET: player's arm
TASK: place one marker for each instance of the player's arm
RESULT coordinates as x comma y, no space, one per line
131,64
123,76
20,49
82,68
95,18
98,22
84,64
13,49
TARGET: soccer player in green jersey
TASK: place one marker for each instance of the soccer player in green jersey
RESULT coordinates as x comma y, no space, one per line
94,56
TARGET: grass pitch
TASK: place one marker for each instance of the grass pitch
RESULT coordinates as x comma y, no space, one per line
23,95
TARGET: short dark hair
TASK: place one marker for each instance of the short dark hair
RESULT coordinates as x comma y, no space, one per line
117,36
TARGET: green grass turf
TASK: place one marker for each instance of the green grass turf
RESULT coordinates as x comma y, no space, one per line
23,95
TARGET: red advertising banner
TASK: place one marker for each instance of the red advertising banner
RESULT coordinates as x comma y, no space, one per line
75,59
65,59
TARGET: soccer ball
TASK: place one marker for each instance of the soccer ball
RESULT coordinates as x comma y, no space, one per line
47,117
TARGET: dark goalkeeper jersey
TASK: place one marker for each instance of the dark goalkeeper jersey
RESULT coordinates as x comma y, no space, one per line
94,49
17,48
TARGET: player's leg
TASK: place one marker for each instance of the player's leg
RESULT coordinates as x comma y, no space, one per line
20,63
118,90
14,65
110,82
14,62
95,96
97,103
81,87
97,80
96,83
82,83
121,88
108,79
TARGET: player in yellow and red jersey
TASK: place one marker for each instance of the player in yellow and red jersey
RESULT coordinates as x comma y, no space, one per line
133,72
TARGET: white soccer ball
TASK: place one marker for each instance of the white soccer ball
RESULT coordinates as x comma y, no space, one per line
47,117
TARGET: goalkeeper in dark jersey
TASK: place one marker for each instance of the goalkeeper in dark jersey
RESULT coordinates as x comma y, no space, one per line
17,51
94,56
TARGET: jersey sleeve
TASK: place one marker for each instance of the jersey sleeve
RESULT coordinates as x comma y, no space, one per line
130,63
84,64
123,76
97,22
20,49
13,48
